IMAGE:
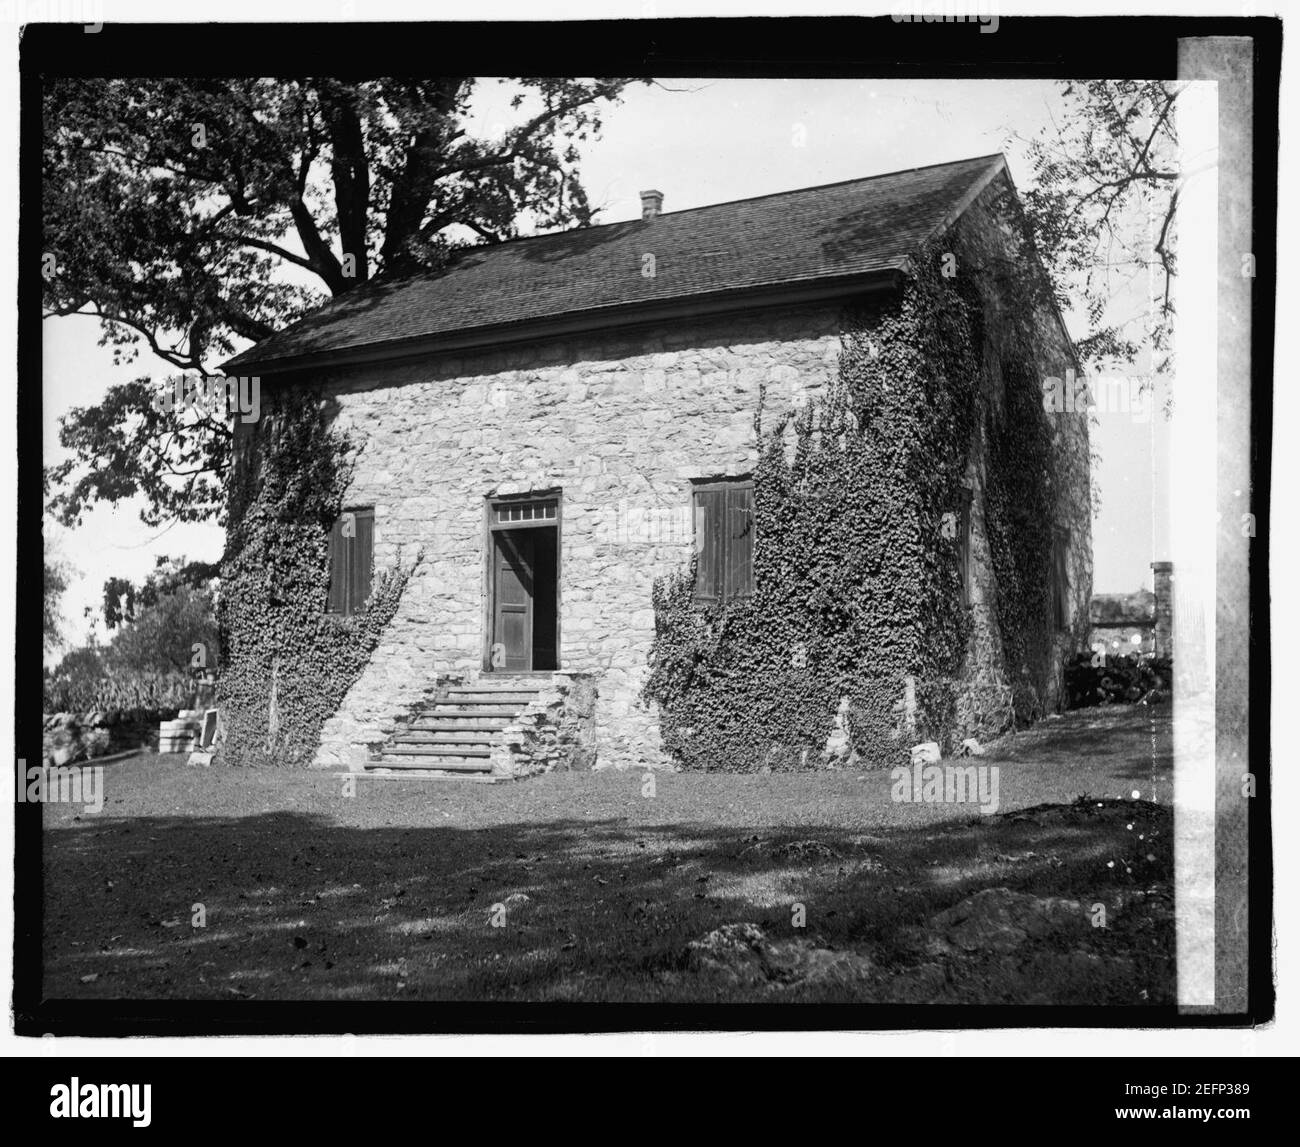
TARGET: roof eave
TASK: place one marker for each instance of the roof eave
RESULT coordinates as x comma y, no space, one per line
996,167
622,315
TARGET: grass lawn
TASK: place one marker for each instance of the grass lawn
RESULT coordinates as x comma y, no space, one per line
576,886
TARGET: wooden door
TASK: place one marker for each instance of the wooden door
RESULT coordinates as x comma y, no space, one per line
512,633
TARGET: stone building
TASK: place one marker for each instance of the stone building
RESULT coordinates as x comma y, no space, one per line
1123,622
559,421
1138,622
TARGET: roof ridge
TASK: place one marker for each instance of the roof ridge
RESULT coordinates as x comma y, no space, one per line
851,227
380,281
732,202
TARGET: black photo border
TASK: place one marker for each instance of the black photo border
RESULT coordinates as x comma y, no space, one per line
878,47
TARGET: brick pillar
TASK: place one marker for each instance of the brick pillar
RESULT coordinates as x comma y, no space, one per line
1164,578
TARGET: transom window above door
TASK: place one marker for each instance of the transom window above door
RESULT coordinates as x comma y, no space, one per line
526,511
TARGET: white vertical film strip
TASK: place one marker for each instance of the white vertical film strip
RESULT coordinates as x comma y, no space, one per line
1193,452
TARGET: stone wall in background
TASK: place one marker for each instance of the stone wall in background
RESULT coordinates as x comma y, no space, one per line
67,738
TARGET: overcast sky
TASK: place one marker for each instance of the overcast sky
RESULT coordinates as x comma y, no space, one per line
700,142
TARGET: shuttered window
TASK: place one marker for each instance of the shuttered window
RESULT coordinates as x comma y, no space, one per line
724,541
352,547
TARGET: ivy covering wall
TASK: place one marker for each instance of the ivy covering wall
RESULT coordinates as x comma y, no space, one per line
857,581
1019,516
289,664
1028,467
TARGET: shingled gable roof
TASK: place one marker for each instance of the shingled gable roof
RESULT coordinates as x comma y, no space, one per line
827,238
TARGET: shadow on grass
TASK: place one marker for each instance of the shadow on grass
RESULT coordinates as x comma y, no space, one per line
284,905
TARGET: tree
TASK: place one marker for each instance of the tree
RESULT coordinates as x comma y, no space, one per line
150,661
1103,210
124,600
56,585
159,622
162,637
82,667
188,214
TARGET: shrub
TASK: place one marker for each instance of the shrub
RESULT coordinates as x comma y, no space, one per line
1094,679
149,692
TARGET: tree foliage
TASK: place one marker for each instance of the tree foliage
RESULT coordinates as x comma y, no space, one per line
124,601
159,622
1103,208
56,585
82,667
189,214
149,664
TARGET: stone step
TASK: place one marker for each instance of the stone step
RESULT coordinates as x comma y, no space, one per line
453,735
427,769
402,760
471,771
465,752
453,721
430,724
489,697
443,736
490,712
454,731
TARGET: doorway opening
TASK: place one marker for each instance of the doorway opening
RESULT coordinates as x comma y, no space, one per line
523,614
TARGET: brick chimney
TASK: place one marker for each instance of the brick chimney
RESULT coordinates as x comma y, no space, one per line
1164,579
652,203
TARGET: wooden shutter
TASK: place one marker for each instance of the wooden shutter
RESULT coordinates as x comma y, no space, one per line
361,559
739,575
724,541
710,513
337,602
351,562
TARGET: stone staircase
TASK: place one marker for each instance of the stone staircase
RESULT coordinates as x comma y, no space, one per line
453,735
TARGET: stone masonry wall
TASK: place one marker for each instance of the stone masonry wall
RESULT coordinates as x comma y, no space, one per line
620,423
1074,512
984,699
984,692
556,730
984,695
